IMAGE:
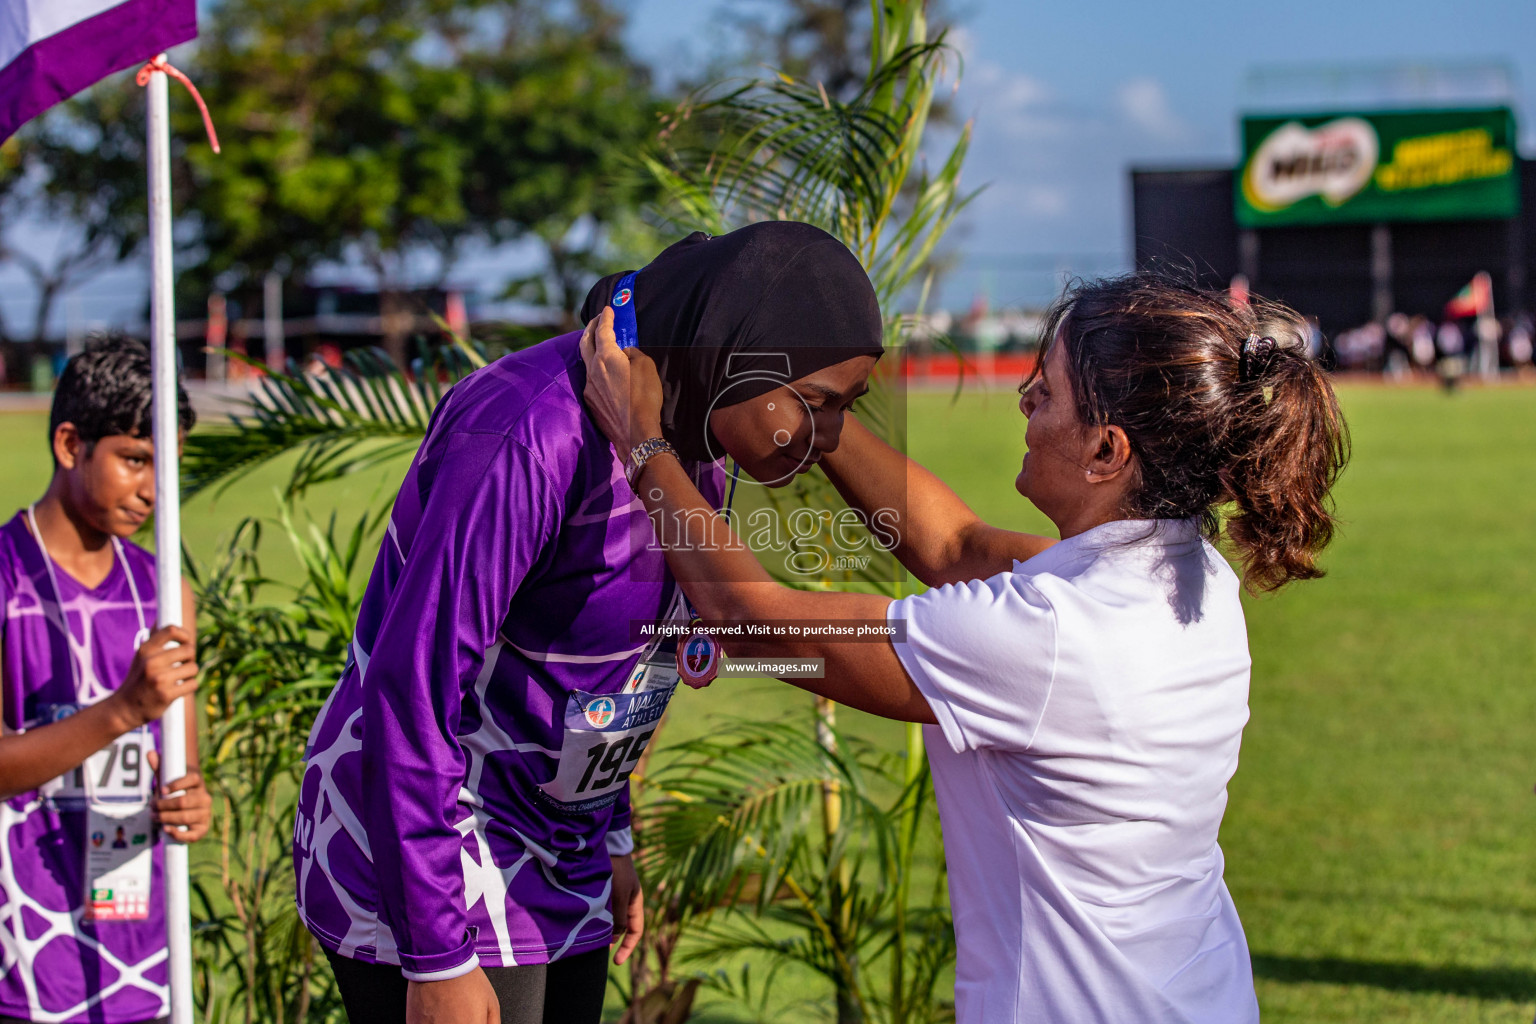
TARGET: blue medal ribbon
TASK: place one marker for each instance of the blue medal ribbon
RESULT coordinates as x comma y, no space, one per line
625,327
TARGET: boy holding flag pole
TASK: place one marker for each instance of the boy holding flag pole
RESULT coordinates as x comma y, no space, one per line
49,51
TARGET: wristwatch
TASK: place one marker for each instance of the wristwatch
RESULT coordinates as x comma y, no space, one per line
643,453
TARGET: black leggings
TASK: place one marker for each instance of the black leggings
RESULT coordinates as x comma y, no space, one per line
568,991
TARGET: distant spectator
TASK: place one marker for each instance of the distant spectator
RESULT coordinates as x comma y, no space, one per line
1488,332
1399,353
1314,338
1422,346
1452,345
1449,340
1519,344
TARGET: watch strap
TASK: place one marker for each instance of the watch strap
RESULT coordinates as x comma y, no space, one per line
642,453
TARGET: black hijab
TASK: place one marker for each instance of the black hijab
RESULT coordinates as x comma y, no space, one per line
731,317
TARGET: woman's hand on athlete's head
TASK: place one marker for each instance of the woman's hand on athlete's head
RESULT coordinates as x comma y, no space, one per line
623,389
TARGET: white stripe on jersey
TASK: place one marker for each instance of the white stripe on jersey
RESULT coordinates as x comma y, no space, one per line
575,659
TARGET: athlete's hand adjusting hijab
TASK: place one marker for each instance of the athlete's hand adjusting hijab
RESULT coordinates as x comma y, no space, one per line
730,317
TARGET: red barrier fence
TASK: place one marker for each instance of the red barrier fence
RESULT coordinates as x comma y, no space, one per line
1003,368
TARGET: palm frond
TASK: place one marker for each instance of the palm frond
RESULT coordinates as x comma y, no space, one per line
908,248
782,148
754,993
266,668
779,148
343,421
729,819
693,206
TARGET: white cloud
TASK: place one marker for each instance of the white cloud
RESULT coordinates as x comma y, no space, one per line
1032,199
1010,102
1144,103
1054,165
963,41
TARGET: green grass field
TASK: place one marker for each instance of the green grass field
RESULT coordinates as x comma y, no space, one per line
1378,838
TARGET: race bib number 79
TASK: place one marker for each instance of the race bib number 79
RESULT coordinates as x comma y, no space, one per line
117,773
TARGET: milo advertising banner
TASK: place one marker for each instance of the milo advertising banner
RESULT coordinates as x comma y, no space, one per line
1337,168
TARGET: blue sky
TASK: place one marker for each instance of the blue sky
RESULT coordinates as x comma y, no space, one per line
1066,97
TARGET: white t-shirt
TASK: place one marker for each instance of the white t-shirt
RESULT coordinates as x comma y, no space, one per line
1090,706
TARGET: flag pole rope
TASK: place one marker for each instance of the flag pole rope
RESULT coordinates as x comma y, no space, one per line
160,63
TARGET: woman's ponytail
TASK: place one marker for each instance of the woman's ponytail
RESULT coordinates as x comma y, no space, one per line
1224,411
1284,461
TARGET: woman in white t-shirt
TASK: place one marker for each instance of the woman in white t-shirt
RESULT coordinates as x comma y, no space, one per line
1086,697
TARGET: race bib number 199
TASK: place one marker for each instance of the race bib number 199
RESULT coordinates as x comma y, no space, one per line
605,734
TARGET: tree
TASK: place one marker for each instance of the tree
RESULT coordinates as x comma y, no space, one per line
10,181
394,132
80,166
825,41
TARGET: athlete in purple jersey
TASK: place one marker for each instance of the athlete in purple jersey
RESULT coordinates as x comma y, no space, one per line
464,814
83,683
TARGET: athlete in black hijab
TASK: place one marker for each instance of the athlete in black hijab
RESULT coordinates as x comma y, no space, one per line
734,318
497,646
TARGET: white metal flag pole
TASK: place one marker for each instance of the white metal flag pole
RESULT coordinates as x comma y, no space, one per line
162,329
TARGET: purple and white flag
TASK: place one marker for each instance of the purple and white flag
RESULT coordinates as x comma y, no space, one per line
51,49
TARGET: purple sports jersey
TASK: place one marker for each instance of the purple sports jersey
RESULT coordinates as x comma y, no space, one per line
514,562
68,647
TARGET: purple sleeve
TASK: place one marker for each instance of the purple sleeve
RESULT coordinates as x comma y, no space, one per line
489,509
621,811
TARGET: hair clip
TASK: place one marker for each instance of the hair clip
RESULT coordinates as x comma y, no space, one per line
1255,357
